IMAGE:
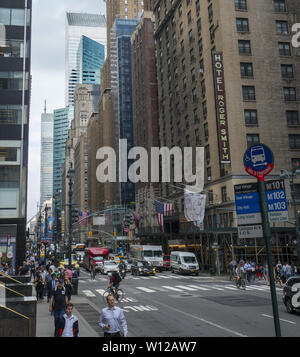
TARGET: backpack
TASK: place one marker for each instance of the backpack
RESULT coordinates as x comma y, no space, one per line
117,277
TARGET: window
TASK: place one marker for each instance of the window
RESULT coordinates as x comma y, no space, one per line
191,37
242,25
192,54
13,48
252,139
200,44
199,26
181,27
203,89
212,33
287,71
197,137
197,7
14,17
294,141
250,117
196,117
204,109
12,114
180,10
224,194
292,117
206,131
240,4
208,173
244,47
284,48
13,80
211,197
289,94
207,153
182,45
9,190
193,74
189,17
8,154
246,70
279,6
282,27
183,64
248,92
210,13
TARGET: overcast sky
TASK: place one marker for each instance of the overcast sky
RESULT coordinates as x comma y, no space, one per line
48,74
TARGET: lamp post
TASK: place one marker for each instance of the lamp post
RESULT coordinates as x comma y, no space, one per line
69,176
291,176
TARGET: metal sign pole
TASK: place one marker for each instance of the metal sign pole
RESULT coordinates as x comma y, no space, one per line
267,236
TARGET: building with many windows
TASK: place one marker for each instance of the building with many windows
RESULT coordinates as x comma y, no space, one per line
92,26
227,79
46,170
15,40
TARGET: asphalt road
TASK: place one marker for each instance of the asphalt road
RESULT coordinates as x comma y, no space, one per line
171,305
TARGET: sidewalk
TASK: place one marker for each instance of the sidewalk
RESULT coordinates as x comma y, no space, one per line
45,322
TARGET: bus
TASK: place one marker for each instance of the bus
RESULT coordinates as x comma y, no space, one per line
96,255
152,254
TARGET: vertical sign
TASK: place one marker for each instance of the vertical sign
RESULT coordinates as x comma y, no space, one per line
222,122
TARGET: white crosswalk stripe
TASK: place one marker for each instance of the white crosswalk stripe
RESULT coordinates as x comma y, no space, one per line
145,289
144,277
213,287
230,287
186,288
100,291
88,293
164,277
199,287
172,288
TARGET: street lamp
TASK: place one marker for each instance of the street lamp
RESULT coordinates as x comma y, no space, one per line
69,176
291,176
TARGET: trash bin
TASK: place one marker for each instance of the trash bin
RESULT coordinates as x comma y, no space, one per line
75,286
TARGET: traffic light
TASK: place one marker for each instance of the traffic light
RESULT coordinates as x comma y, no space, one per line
75,212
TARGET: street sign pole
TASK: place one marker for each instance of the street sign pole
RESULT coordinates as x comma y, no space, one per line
259,162
267,236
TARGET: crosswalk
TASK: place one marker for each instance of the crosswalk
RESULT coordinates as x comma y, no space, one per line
188,288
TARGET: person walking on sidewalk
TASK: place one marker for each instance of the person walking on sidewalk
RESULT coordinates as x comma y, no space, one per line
51,285
68,287
67,325
58,303
39,286
112,319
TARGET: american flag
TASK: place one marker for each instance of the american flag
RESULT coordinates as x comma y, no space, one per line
163,209
81,215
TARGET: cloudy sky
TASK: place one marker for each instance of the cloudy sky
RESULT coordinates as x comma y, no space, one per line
48,74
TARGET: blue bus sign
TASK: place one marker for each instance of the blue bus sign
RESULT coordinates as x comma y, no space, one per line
258,161
276,201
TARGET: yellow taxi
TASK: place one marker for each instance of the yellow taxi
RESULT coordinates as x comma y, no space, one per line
65,261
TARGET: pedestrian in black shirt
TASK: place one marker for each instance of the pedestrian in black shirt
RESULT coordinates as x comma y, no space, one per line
58,303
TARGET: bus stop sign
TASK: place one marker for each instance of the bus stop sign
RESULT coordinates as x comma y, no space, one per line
259,161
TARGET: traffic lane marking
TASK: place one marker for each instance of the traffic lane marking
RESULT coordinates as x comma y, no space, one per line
290,322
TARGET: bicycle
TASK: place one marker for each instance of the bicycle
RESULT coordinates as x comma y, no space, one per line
240,283
119,295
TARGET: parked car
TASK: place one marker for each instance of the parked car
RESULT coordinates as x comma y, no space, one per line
108,266
166,260
291,294
141,267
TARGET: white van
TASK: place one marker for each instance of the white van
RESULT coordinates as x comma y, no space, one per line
184,263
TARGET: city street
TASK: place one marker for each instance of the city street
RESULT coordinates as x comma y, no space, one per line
175,305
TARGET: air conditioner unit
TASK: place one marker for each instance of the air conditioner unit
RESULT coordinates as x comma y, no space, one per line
201,70
209,178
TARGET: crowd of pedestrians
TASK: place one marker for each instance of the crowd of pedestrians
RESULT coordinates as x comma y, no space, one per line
253,270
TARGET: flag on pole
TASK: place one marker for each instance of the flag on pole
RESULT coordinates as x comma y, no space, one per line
163,209
81,215
136,219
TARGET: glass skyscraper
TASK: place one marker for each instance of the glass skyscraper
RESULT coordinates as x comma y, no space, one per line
92,26
15,40
91,56
121,83
46,171
61,124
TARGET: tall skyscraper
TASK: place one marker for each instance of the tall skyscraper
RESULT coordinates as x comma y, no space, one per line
92,26
91,56
121,86
15,40
46,170
61,124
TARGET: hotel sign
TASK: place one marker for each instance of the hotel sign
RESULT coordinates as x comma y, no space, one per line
222,120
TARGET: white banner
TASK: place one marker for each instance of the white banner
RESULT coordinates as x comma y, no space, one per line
194,207
99,221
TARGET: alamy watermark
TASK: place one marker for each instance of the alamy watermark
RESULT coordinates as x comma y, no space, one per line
138,171
296,36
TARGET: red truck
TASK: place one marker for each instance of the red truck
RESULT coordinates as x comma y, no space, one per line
94,255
